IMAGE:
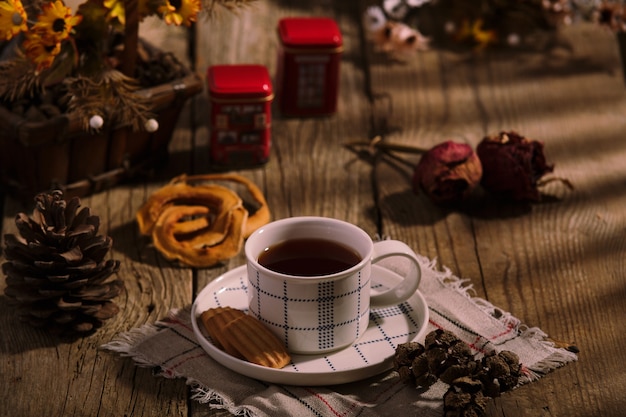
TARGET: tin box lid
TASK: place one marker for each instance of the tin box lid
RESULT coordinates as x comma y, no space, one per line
309,32
239,81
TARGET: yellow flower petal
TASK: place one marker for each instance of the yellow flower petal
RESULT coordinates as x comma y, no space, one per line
181,12
39,51
12,19
55,22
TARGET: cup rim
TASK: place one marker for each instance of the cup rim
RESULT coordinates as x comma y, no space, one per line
252,258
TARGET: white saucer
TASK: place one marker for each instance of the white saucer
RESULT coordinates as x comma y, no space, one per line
370,355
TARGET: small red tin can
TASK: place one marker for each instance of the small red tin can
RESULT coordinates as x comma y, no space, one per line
241,100
307,74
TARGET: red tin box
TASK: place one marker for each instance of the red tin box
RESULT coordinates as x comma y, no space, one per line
307,76
241,99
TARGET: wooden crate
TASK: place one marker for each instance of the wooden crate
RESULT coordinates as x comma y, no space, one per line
58,153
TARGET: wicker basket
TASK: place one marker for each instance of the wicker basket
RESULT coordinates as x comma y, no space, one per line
57,153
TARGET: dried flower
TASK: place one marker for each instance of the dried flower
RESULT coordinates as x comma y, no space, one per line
12,19
483,24
55,22
391,36
39,51
43,40
448,173
512,165
396,9
117,10
374,19
476,34
58,45
181,12
611,15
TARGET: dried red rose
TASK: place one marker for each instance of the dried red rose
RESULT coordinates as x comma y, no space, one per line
448,172
512,165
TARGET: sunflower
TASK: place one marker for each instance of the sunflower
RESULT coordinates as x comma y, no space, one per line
40,51
56,22
12,19
116,10
179,12
474,32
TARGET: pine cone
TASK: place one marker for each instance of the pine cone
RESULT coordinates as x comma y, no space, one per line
55,270
472,382
443,356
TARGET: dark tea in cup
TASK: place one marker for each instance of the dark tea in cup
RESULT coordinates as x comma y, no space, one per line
309,257
309,281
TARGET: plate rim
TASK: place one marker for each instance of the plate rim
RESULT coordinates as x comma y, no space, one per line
281,376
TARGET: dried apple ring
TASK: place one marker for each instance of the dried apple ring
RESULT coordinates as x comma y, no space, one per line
197,232
255,220
193,225
197,255
219,198
201,224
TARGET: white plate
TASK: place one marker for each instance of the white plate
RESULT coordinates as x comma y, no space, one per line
370,355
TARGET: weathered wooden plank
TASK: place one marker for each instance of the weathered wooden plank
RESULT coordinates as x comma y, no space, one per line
309,171
558,265
555,265
549,268
47,376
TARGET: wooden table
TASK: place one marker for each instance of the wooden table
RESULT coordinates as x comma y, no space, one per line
558,265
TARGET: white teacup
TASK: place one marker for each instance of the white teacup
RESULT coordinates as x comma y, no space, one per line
319,311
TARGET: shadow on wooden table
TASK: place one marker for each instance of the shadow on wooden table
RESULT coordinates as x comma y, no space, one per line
23,336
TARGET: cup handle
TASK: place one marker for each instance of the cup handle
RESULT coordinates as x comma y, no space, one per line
408,286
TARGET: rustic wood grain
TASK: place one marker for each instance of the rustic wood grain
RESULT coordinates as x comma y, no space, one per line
558,265
309,172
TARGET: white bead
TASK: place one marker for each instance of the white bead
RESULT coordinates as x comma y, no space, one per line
513,39
151,125
96,121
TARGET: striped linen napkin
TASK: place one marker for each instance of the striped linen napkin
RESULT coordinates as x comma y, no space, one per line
171,347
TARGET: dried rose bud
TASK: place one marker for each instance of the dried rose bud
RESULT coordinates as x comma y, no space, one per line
512,165
448,172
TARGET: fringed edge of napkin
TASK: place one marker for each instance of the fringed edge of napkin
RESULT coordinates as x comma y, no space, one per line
205,395
124,344
559,357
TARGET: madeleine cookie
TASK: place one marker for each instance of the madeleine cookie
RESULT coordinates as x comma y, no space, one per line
215,321
243,336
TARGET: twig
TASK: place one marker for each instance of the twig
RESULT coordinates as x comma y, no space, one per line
378,143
